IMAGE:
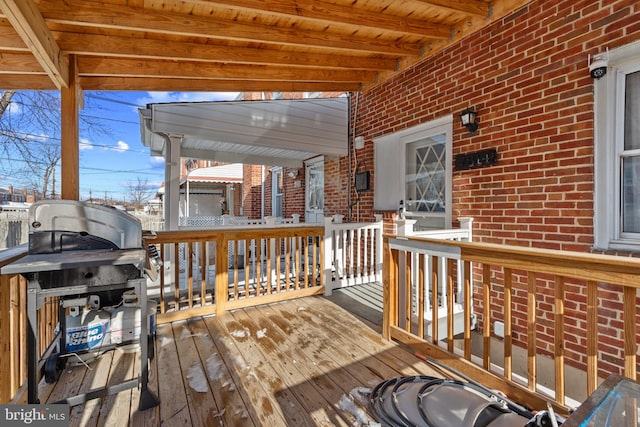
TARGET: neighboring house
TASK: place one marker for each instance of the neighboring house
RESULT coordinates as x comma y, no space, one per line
568,145
211,191
14,200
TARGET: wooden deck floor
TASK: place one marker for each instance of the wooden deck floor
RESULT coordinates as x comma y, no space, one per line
306,362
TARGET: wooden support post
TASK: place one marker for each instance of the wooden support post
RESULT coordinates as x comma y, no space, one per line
71,100
390,289
222,274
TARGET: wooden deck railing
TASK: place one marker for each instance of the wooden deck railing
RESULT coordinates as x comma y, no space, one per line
575,310
212,271
13,327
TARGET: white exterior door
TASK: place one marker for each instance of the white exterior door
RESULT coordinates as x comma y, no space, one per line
314,198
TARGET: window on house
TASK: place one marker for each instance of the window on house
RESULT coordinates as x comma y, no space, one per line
276,191
617,152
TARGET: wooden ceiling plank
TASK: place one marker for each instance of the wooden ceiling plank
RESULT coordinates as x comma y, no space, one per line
124,67
9,39
471,7
26,19
204,85
23,63
330,13
100,15
90,44
26,82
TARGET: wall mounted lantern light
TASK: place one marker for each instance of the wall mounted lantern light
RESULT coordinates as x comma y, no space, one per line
468,118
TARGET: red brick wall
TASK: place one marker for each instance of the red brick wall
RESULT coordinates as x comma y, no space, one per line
252,191
293,197
527,77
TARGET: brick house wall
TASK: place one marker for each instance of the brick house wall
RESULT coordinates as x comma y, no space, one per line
292,197
527,77
252,191
293,194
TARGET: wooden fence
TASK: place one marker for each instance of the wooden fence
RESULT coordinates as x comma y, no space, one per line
576,310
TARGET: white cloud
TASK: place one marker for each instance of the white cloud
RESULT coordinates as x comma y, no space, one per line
85,144
14,108
157,162
122,146
39,137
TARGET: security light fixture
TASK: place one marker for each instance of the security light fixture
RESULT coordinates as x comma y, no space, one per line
468,118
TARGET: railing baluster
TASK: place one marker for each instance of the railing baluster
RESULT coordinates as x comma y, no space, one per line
296,267
390,289
435,305
204,266
222,275
558,325
508,319
467,308
531,332
189,270
258,258
306,261
408,292
287,263
176,276
278,252
486,316
236,281
161,254
358,248
449,275
421,311
321,261
592,338
629,302
269,272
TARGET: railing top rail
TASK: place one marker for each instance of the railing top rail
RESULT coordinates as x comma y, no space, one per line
7,256
355,225
446,233
237,233
612,269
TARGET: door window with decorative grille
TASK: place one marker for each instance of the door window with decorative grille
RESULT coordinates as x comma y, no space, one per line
425,175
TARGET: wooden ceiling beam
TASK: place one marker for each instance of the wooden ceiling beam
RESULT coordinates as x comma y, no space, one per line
203,85
124,67
330,13
26,19
471,7
101,15
91,44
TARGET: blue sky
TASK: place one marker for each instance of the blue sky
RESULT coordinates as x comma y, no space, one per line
109,163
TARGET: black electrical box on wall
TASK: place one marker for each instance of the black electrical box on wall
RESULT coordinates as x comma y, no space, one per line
362,181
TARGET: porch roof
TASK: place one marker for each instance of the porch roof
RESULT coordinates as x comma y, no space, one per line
230,45
275,132
226,174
